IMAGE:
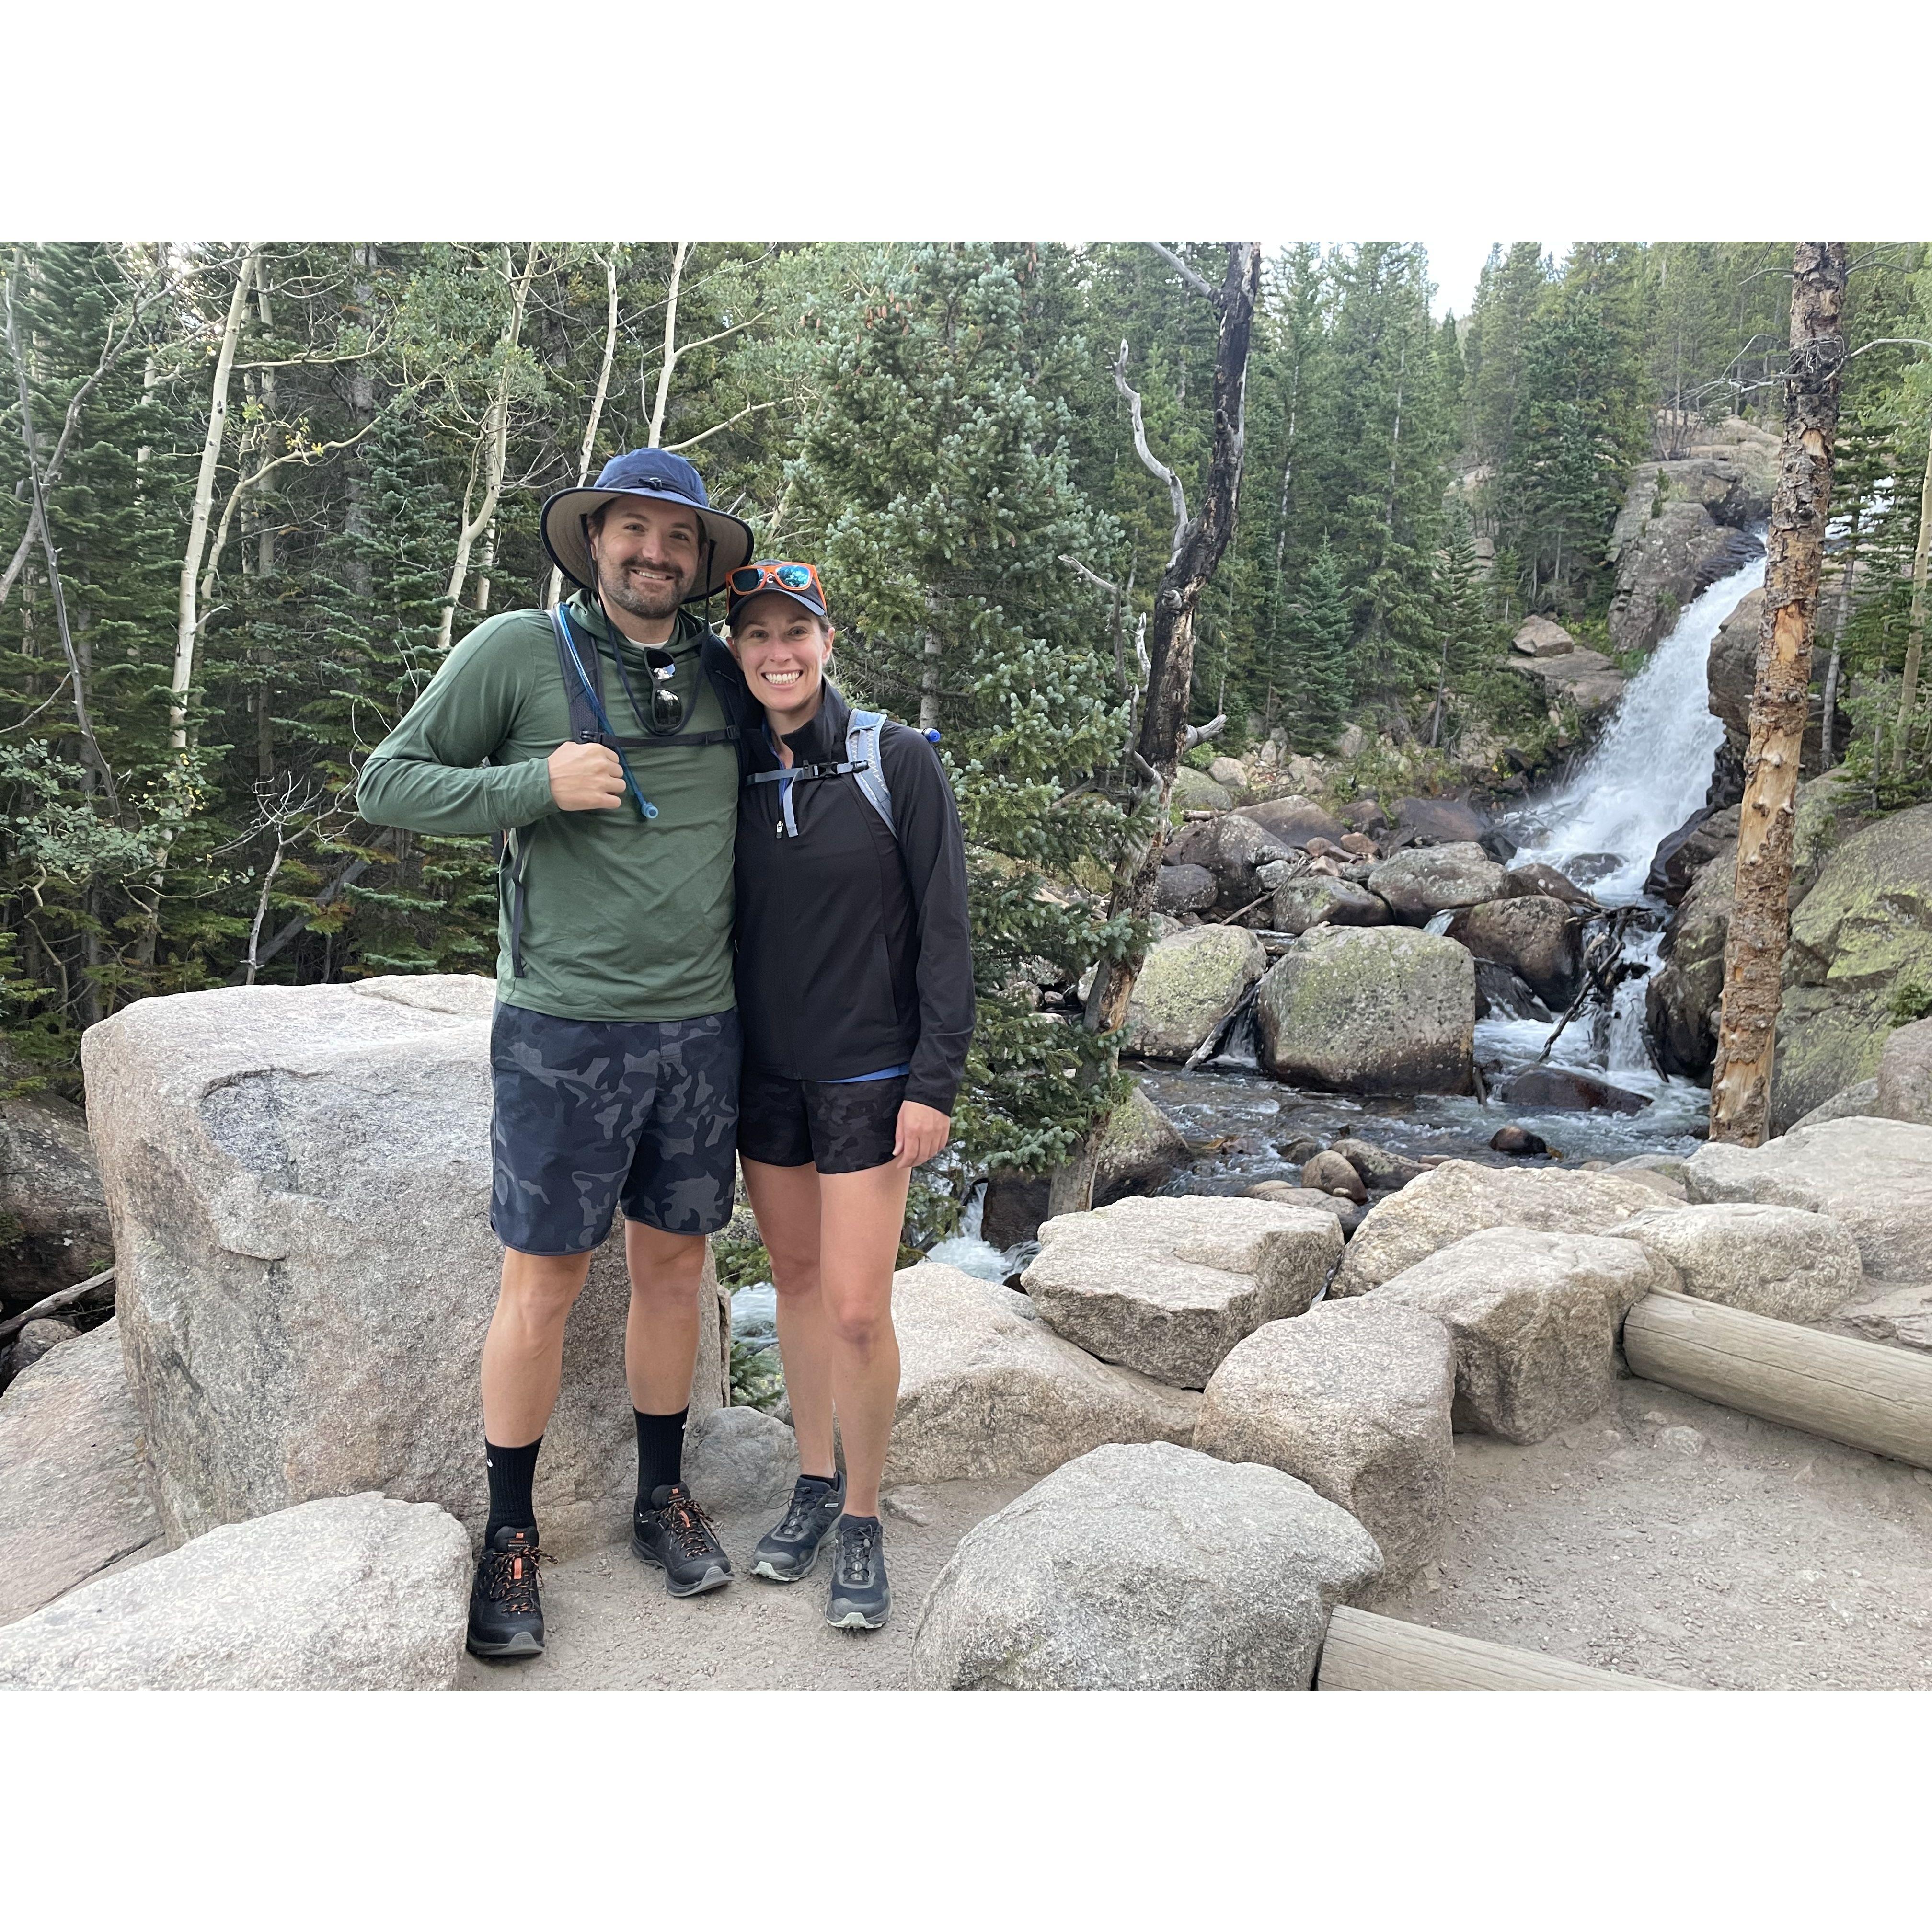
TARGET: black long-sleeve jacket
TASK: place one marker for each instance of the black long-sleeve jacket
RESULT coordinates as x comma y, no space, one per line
854,949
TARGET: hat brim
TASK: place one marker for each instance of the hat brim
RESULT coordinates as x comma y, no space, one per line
568,543
798,597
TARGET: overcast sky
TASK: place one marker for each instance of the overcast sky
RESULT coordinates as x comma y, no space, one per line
1454,266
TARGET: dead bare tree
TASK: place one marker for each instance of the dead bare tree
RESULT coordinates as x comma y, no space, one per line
1761,921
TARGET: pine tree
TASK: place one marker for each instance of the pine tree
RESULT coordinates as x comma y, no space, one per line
1319,628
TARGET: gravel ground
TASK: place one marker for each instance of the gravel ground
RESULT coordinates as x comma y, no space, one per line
1665,1538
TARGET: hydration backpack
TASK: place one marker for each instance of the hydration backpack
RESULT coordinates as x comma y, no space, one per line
862,761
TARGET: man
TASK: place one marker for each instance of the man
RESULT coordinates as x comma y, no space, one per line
601,744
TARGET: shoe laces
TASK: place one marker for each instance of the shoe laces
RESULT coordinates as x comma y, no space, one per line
858,1551
691,1528
807,1506
509,1577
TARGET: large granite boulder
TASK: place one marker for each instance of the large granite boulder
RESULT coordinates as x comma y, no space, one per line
1153,1568
1184,889
1440,821
351,1593
299,1180
739,1459
1195,791
1874,1176
1294,820
1167,1286
1370,1010
1861,944
74,1502
1685,995
53,1219
1314,898
1354,1398
1784,1262
1903,1091
1586,679
1535,1317
1461,1196
1537,939
987,1389
1426,880
1138,1148
1190,981
1231,847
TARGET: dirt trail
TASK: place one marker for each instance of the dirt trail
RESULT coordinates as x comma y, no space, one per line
1700,1548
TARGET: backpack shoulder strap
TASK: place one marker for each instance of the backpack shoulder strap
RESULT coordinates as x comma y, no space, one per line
864,730
582,680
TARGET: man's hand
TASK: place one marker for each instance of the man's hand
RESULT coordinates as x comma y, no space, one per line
586,777
922,1133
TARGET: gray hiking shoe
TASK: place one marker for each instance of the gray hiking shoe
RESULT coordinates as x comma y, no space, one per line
788,1553
861,1598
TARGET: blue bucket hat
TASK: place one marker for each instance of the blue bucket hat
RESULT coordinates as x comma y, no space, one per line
643,472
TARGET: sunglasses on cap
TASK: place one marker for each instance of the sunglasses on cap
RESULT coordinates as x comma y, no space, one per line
753,577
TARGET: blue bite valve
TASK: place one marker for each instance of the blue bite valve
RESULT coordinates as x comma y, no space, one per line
931,737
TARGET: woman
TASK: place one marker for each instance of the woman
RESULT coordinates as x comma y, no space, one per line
855,990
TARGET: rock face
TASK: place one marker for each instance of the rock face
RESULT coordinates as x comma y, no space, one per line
1535,938
38,1338
1874,1176
1294,820
1683,999
1861,940
1315,899
1230,846
1534,879
1353,1399
1167,1287
987,1389
73,1504
1139,1148
1189,982
739,1459
1861,1098
1683,525
299,1180
1543,637
1440,821
1183,889
1370,1010
352,1593
1585,679
1904,1088
53,1219
1460,1196
1144,1569
1732,671
1195,791
1424,880
1780,1261
1535,1317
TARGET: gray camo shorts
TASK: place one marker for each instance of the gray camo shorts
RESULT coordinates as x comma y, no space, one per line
594,1115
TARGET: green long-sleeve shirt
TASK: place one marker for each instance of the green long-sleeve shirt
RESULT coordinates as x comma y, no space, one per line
624,919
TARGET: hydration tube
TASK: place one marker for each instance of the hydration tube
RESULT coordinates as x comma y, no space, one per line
646,810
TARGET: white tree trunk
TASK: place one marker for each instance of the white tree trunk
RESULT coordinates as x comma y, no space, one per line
188,620
610,262
1908,693
495,448
670,344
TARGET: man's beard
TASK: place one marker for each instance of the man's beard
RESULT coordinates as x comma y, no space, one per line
616,587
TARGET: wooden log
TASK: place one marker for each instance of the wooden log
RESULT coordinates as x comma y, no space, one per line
1366,1652
1858,1393
63,1297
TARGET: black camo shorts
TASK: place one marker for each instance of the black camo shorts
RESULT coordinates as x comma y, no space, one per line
591,1115
839,1127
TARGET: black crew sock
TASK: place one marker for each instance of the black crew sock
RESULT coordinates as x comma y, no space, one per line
512,1471
660,1452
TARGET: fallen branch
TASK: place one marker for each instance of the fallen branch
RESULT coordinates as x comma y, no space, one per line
65,1298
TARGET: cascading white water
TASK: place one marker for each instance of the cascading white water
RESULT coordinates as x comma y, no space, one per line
1650,770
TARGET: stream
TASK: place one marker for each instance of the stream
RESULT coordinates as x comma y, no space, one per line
1600,826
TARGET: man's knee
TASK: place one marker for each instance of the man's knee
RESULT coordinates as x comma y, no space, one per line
665,1269
538,1290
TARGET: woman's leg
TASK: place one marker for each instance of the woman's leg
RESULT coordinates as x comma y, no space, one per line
861,1218
785,1200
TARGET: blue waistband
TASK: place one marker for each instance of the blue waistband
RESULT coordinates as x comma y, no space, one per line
883,1073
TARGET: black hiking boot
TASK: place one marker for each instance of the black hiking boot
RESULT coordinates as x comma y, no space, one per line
676,1535
788,1554
862,1599
505,1613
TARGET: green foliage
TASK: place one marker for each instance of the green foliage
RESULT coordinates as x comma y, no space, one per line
1911,1000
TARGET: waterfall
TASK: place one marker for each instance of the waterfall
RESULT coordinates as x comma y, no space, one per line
1650,770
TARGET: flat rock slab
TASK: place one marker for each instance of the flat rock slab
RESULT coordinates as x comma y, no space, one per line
299,1180
1780,1262
1460,1196
1873,1176
1149,1568
1535,1317
987,1389
1167,1286
74,1498
1354,1398
353,1593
